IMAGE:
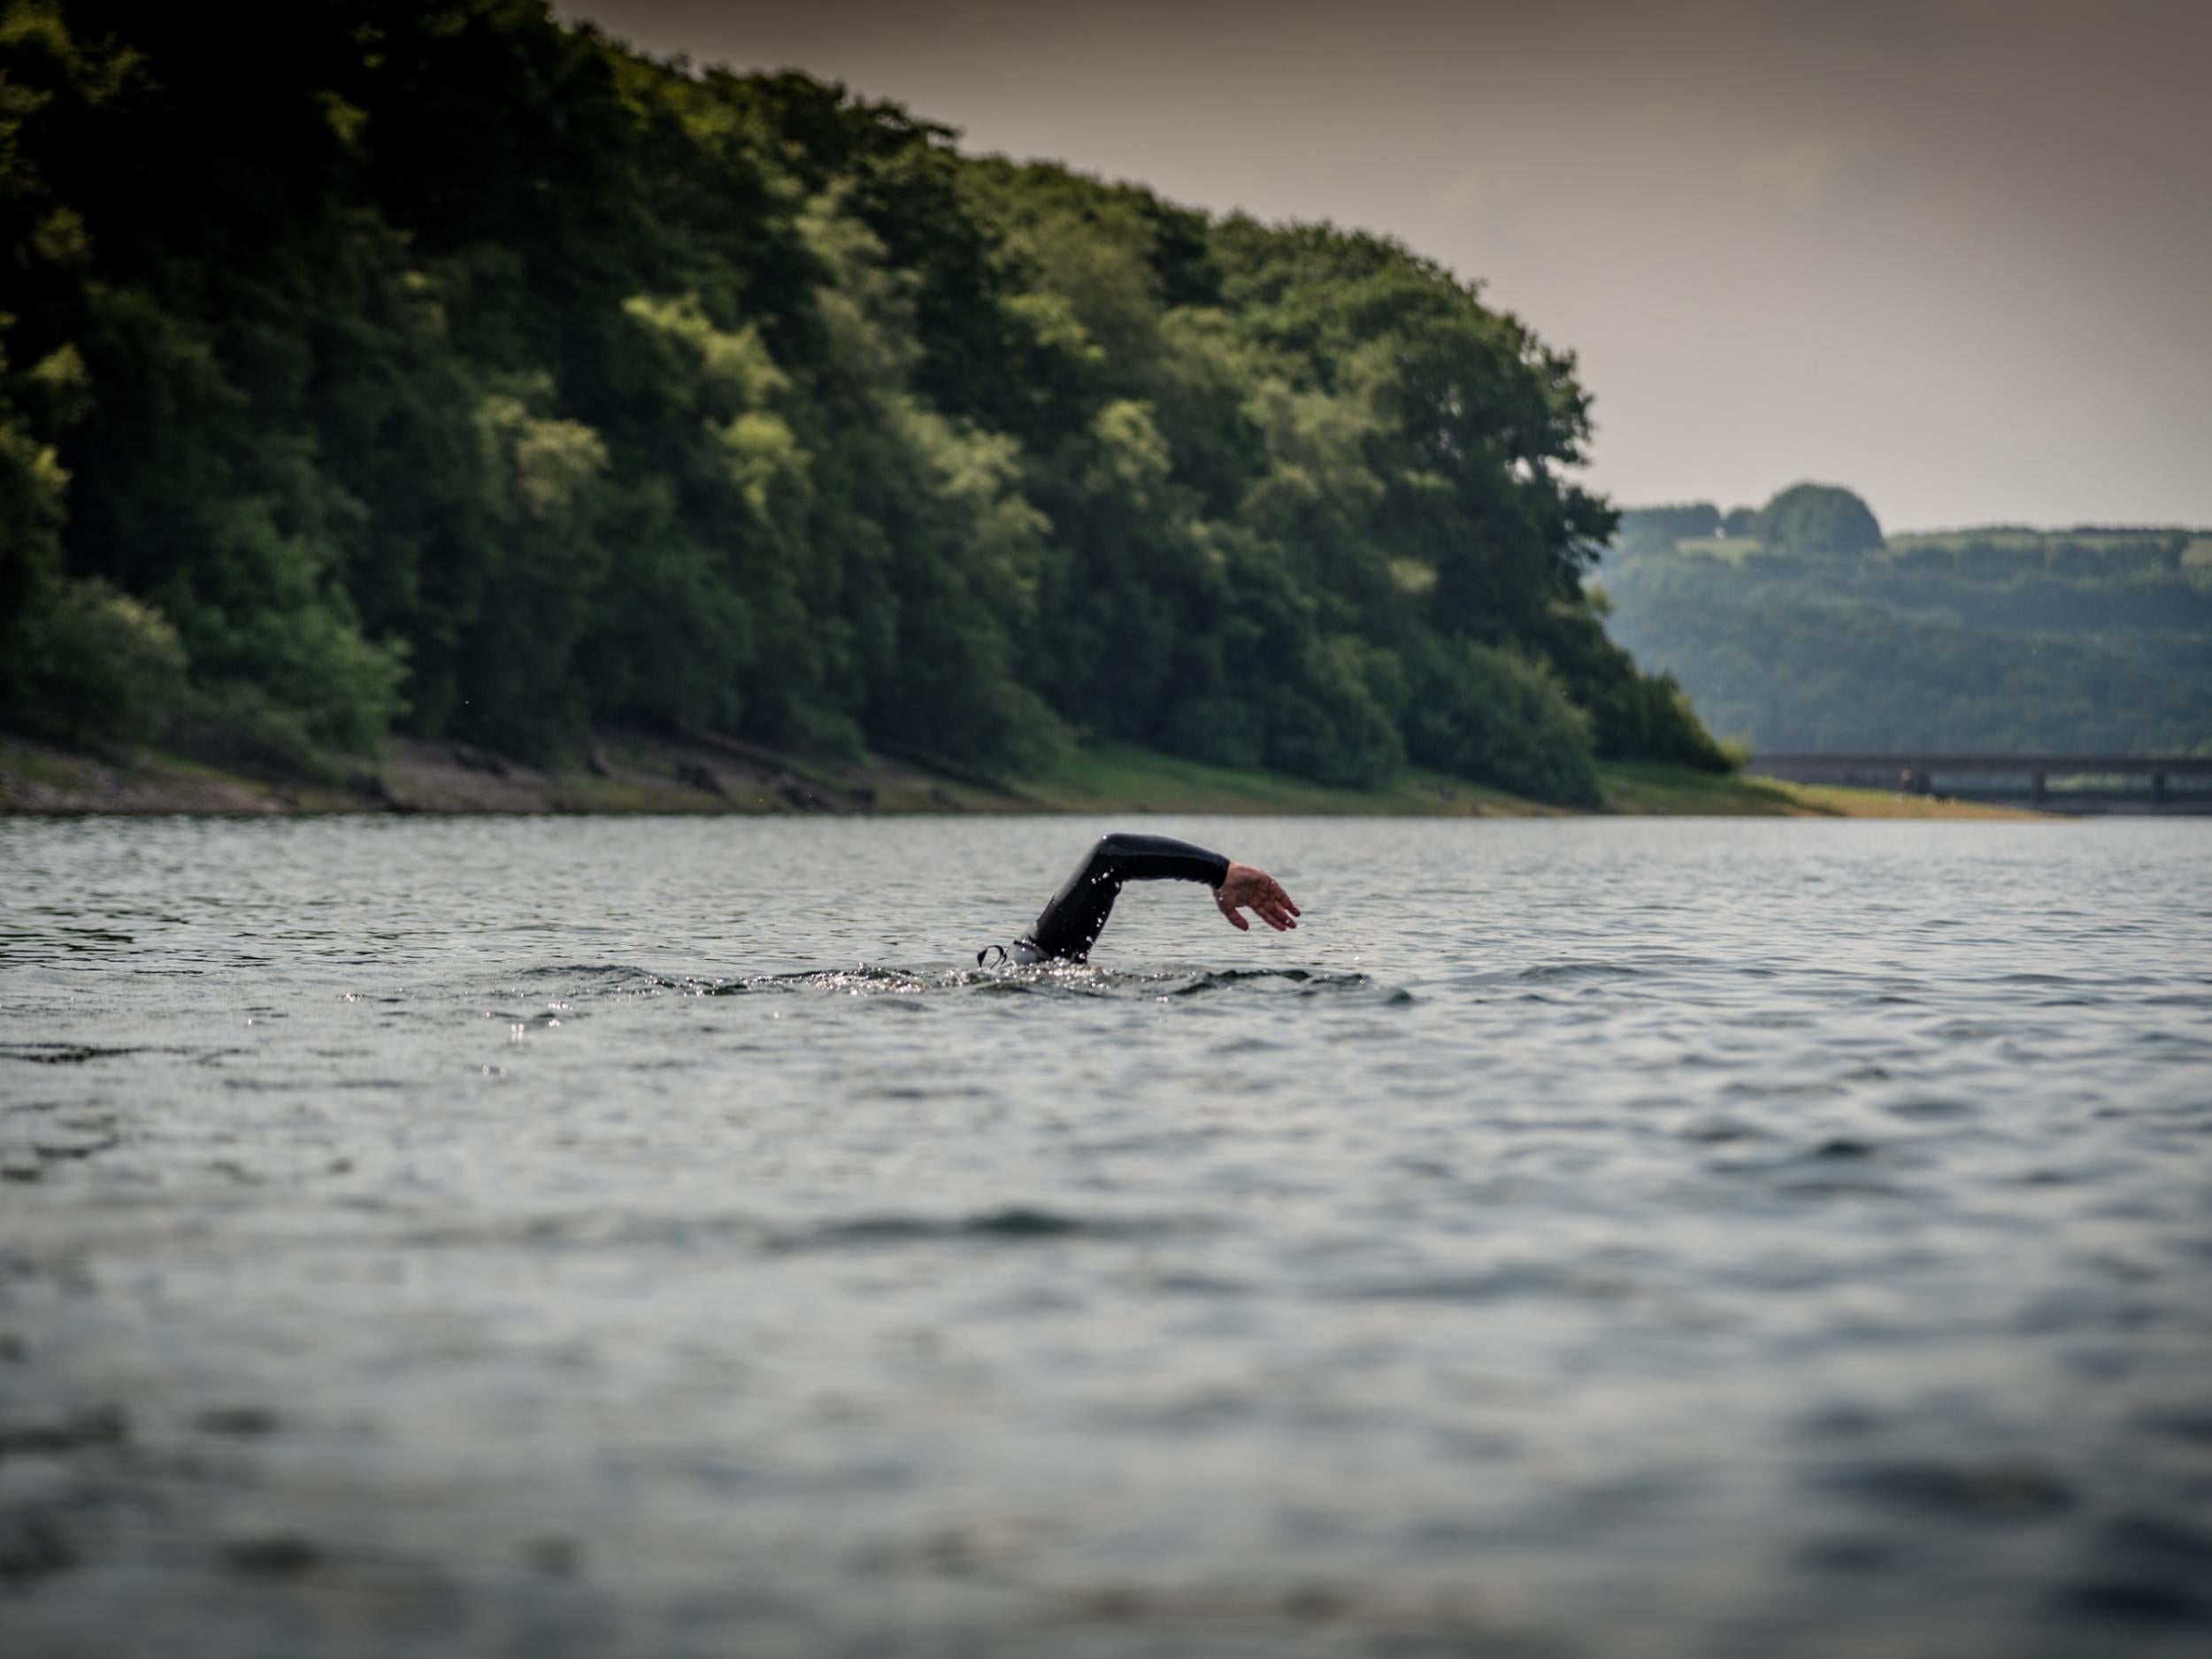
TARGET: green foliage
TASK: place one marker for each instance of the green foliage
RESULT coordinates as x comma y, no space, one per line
464,372
1504,717
33,492
86,662
1818,518
232,724
1993,640
1691,522
1633,716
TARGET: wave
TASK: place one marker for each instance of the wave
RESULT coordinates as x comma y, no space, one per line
1015,1224
80,1053
869,979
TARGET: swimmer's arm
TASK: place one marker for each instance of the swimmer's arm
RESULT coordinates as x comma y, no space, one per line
1236,887
1071,922
1122,858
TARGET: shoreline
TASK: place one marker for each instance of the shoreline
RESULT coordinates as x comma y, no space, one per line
633,774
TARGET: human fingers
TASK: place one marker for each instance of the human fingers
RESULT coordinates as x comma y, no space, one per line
1229,914
1283,898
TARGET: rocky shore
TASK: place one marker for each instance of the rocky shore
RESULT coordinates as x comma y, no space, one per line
623,773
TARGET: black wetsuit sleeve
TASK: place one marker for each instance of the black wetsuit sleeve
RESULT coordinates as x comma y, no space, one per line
1072,922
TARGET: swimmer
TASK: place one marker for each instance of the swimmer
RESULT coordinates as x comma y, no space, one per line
1072,922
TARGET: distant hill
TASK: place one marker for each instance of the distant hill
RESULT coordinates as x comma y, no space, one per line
2002,639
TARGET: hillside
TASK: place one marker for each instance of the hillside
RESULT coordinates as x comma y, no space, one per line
467,377
2003,640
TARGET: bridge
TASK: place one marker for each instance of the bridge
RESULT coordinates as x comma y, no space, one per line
2050,783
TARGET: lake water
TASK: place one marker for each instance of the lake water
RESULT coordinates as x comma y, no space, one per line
594,1237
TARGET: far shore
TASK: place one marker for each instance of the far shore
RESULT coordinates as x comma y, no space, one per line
633,773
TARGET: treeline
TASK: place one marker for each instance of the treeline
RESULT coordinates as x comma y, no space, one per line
1817,518
1997,641
427,365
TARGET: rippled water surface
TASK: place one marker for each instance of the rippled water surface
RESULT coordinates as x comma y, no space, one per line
594,1237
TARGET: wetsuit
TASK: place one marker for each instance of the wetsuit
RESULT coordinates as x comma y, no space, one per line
1072,922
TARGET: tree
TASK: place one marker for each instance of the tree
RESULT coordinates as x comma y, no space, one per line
1819,518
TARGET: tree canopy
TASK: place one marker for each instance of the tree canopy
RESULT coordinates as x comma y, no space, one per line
435,366
1820,519
1688,521
1995,641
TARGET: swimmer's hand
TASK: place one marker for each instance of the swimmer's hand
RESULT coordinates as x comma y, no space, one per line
1246,887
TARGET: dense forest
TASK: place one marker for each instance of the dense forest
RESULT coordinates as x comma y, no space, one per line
429,365
1798,627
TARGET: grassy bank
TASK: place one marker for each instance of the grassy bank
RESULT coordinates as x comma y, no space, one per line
637,773
1136,781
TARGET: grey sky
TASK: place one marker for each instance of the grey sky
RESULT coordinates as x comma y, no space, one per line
1956,254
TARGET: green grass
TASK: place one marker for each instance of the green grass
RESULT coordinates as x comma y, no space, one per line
40,766
1652,786
1120,778
1647,786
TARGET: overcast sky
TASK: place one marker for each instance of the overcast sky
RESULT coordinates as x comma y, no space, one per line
1956,254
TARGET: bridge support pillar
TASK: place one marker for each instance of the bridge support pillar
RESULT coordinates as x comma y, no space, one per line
2035,786
2158,788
